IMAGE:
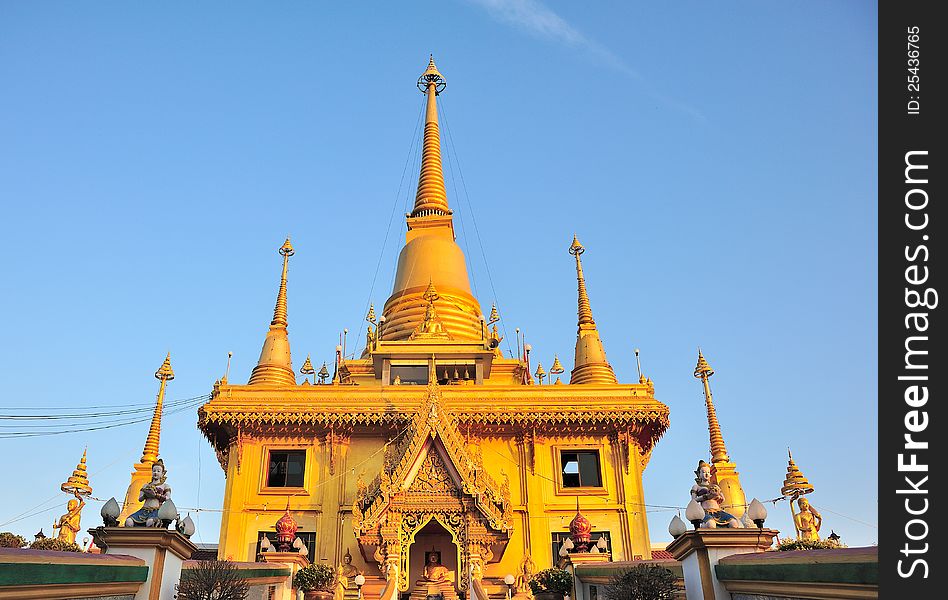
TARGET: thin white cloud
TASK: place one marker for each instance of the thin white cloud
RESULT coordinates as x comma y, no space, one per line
533,17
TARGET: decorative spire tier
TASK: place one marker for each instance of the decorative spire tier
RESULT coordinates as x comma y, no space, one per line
275,366
78,482
431,197
590,365
164,374
703,371
430,254
795,484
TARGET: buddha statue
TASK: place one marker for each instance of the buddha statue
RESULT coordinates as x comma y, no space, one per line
524,575
154,493
435,582
68,524
345,577
709,495
808,521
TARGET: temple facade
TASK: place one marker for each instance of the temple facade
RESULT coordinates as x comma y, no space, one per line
433,446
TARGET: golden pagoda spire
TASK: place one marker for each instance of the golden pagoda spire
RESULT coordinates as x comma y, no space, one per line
703,371
431,197
590,364
141,472
431,255
164,374
275,366
723,471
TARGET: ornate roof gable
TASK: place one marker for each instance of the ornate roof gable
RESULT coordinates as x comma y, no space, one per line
433,443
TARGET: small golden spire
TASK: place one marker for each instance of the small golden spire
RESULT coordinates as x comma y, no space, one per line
371,316
585,311
795,484
275,366
703,371
540,373
307,368
323,373
557,367
431,198
164,374
431,294
590,364
494,315
78,482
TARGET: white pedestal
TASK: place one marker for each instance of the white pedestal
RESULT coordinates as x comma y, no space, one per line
700,550
163,550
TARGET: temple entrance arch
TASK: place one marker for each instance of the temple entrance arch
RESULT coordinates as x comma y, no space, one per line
420,534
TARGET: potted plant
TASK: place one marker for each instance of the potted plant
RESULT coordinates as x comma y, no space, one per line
551,584
315,581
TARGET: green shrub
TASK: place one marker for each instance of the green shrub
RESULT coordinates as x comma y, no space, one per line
795,544
552,580
315,577
642,582
55,544
11,540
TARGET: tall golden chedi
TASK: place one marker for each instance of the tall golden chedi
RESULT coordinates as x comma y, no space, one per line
723,471
433,449
141,473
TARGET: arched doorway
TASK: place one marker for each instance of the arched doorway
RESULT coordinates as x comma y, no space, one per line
433,537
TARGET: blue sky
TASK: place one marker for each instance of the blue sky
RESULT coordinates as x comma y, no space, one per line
718,161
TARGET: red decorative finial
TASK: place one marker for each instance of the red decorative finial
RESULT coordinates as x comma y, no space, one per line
286,530
580,530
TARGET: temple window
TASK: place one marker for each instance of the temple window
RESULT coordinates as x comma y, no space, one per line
285,468
408,375
580,468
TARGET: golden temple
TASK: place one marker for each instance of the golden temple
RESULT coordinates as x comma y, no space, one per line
433,440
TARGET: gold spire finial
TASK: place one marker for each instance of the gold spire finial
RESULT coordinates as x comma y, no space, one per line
795,484
307,368
370,317
494,315
431,294
431,197
279,311
703,371
590,365
585,311
275,365
78,482
557,367
164,374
